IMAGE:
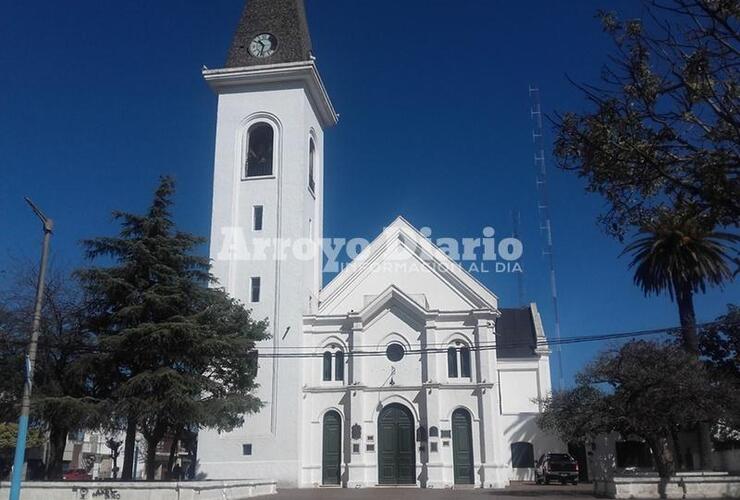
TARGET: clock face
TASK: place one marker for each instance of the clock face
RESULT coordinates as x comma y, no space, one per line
263,45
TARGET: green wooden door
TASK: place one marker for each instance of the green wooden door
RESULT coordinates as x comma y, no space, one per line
462,447
396,446
331,457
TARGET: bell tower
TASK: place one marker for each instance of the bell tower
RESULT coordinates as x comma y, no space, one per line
267,221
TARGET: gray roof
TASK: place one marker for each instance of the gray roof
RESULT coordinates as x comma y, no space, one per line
284,19
516,336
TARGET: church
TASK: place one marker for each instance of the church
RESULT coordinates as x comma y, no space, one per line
389,374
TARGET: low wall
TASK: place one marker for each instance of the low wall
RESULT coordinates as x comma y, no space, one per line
683,485
142,490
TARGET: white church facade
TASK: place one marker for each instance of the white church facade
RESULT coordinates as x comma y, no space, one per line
402,370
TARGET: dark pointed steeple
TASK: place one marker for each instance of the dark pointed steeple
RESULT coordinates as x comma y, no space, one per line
270,32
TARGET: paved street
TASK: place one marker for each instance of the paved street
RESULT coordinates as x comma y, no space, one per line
517,491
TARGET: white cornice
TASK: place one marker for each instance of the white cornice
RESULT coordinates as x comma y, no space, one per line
232,79
398,388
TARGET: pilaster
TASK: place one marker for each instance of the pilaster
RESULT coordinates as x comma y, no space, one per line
495,472
434,464
356,462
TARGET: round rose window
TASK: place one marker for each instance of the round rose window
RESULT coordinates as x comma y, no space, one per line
395,352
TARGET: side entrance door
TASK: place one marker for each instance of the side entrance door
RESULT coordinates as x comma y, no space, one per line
462,447
396,453
331,456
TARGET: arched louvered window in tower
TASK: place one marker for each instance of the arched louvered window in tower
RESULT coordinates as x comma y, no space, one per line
311,165
260,139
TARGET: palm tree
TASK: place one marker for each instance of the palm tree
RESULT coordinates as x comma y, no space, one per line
679,254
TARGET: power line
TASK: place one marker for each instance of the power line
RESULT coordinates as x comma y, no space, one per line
489,346
416,348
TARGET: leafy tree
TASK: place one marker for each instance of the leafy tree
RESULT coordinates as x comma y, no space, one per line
719,344
8,438
576,415
63,399
12,350
182,353
661,144
681,256
644,388
664,127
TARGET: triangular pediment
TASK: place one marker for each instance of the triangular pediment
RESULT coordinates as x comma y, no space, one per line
393,298
402,258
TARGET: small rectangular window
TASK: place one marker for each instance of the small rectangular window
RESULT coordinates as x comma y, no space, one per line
433,447
257,217
255,289
246,449
356,448
371,447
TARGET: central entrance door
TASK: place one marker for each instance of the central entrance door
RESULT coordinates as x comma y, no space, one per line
396,453
332,448
462,447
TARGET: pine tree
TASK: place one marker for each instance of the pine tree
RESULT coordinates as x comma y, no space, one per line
180,352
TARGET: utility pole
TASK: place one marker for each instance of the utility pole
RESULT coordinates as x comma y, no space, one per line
20,445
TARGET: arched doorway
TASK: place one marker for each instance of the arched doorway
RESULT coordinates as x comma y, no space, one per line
331,456
462,447
396,451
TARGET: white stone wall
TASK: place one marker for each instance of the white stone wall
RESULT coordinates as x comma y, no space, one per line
289,284
189,490
420,382
683,485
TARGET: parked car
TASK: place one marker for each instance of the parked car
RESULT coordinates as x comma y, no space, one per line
556,467
77,475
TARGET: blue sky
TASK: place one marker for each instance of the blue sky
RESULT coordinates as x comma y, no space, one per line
99,98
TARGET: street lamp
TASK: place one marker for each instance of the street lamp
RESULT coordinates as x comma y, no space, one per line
20,445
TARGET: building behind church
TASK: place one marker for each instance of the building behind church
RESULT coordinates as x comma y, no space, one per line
390,374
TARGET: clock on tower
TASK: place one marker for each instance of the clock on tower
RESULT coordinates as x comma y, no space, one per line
270,32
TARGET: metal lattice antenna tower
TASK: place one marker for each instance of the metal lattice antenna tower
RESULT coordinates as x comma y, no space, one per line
543,210
516,219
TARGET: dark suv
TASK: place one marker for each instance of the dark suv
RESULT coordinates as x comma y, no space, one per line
556,467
